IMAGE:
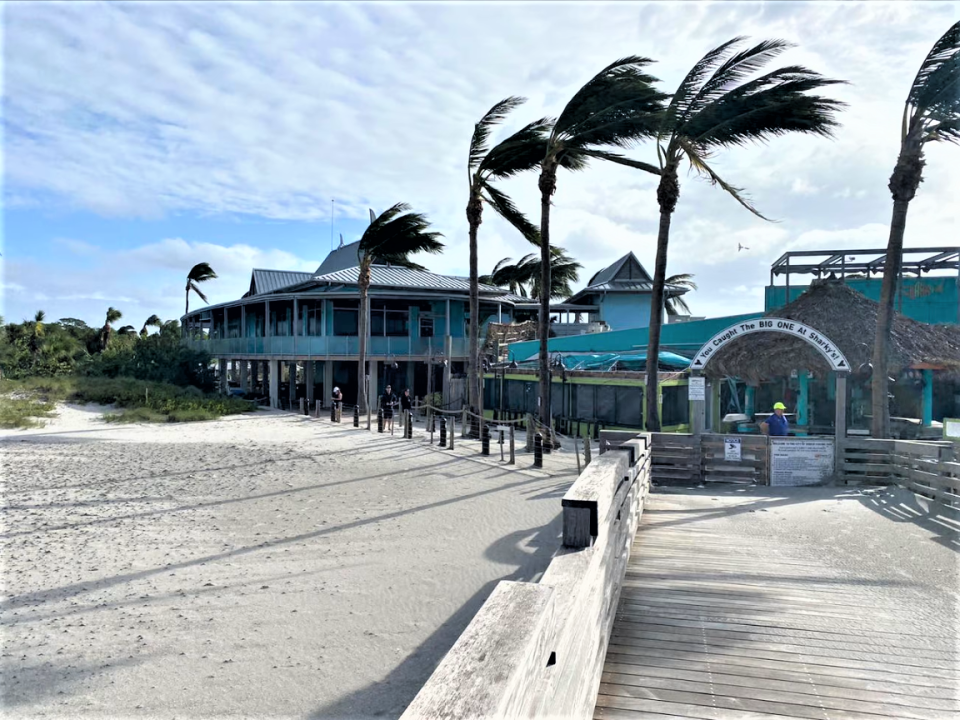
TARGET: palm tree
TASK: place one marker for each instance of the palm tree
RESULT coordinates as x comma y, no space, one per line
35,341
519,152
716,106
617,107
201,272
523,278
390,238
931,114
113,315
152,321
677,305
127,331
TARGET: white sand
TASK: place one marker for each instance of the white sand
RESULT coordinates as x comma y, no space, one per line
265,565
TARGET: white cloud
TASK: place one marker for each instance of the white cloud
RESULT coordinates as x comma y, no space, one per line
273,109
77,247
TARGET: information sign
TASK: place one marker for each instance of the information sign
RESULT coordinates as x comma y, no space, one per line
731,449
801,461
697,389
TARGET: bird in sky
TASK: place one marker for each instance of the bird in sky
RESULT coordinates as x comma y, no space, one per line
741,247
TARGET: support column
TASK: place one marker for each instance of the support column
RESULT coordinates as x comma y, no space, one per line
840,422
308,372
448,368
410,376
927,411
374,399
274,381
223,376
750,401
327,380
265,375
244,380
293,383
803,400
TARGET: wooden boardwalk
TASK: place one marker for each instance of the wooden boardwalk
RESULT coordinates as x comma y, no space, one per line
717,621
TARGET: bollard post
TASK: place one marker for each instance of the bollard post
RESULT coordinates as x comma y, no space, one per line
463,423
501,442
484,439
586,452
333,412
576,451
453,429
409,425
316,409
443,432
513,456
430,425
303,406
537,451
356,416
528,426
379,420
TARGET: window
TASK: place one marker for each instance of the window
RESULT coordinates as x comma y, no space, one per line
676,407
345,322
397,323
426,326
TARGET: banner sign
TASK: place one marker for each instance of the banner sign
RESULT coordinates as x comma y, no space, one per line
830,352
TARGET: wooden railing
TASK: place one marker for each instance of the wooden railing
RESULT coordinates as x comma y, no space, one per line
927,468
683,458
537,649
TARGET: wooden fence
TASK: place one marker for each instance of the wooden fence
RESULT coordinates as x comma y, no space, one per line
682,459
927,468
537,649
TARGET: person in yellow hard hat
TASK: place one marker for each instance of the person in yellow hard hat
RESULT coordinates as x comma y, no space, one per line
776,425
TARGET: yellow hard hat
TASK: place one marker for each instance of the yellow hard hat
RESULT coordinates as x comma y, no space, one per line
779,406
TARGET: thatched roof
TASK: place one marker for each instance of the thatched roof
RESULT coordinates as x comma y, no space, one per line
849,319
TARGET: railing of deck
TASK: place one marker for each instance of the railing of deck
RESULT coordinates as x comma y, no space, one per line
927,468
537,649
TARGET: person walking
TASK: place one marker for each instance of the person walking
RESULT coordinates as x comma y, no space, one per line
406,405
776,425
388,401
337,401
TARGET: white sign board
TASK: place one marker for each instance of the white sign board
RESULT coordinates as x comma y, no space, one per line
697,389
951,429
731,449
824,346
800,461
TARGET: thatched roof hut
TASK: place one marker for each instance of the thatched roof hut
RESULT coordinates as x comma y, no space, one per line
849,319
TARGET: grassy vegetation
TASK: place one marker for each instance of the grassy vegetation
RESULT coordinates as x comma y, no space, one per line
24,402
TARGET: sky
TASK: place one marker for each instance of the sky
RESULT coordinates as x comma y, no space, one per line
142,138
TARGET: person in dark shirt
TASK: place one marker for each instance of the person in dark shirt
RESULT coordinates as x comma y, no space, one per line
776,425
406,404
388,401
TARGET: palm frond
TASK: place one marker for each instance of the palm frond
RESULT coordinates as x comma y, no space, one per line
938,72
506,209
396,234
699,164
522,151
682,280
192,286
113,315
481,131
677,305
621,160
201,272
683,98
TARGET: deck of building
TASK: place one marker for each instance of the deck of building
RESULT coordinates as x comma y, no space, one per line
813,603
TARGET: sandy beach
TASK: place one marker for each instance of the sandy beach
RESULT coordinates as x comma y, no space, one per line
265,565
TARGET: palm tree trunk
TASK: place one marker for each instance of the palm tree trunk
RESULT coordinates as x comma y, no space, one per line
187,309
548,185
880,424
474,386
668,192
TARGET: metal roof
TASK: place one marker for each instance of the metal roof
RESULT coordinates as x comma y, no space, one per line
267,281
626,268
626,275
401,277
342,258
822,263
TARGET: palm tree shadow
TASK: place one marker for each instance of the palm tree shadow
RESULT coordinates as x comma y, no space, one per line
529,550
904,506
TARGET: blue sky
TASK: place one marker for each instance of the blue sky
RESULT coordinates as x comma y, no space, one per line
142,138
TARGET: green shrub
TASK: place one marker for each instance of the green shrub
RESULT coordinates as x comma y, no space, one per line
135,415
23,412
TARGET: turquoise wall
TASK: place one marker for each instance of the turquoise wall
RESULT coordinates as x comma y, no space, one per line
929,300
682,338
623,311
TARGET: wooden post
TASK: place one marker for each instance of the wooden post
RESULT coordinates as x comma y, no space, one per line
303,406
513,457
576,451
537,450
586,452
528,425
453,429
840,423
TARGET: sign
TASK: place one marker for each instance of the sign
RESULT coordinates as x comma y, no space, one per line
800,461
823,345
697,389
731,449
951,429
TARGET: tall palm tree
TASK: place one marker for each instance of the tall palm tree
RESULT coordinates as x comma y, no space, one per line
617,107
930,114
716,106
521,151
127,331
152,321
113,315
201,272
391,238
677,305
507,274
